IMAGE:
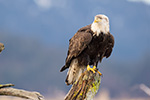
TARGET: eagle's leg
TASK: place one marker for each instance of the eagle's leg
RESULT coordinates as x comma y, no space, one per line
95,67
89,68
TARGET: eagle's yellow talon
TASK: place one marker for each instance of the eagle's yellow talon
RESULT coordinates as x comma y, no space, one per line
93,70
89,68
99,73
94,67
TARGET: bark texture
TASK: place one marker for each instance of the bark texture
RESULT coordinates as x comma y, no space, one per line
85,88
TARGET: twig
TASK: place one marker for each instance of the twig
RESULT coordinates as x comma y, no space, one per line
6,85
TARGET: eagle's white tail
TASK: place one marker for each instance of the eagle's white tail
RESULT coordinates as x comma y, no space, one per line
74,72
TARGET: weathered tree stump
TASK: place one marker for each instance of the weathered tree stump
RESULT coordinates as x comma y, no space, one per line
85,88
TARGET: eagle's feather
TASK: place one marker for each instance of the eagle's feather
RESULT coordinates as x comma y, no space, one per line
77,44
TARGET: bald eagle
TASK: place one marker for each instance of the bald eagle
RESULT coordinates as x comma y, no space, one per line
87,47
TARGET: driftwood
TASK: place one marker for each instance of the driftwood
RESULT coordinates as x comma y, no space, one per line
8,91
85,88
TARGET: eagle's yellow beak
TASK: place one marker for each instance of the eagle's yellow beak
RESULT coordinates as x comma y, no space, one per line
96,20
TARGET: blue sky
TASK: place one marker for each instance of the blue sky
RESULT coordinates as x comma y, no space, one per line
55,21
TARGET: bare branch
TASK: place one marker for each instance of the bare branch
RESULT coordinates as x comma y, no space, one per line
6,85
21,93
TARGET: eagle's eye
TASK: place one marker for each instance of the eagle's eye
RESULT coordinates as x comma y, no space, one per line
100,17
106,19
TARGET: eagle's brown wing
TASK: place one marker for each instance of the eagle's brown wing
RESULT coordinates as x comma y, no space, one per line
110,46
77,44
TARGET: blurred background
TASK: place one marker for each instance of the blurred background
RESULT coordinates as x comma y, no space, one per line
36,36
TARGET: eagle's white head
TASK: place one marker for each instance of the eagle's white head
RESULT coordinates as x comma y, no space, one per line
100,24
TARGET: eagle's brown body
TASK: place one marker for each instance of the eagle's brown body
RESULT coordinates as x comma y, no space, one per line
86,48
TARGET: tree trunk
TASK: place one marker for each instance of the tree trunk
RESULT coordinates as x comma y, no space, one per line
85,88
